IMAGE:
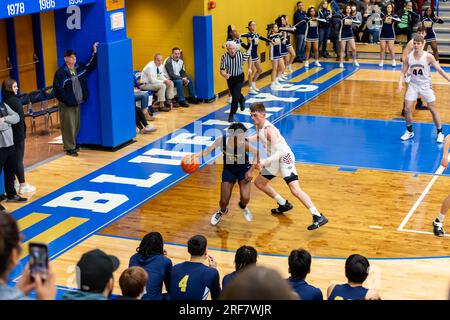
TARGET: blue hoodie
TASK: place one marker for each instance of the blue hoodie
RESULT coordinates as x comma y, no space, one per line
158,268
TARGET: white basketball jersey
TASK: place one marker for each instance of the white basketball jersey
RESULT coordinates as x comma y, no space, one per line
281,144
419,69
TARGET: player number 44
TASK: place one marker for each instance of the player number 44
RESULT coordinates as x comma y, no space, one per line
415,72
183,283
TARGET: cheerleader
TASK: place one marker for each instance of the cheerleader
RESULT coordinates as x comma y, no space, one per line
275,56
346,35
312,36
287,51
387,33
428,20
253,40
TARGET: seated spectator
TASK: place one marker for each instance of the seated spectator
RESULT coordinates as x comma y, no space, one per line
154,77
10,250
245,256
177,73
409,19
144,98
151,256
9,94
258,283
299,268
95,278
356,271
141,121
192,280
132,283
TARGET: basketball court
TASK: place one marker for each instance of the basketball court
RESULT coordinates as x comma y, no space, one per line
344,125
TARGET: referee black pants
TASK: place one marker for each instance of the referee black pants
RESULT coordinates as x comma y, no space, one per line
235,84
8,164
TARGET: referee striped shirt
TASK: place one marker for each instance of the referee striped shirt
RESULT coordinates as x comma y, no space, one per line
233,65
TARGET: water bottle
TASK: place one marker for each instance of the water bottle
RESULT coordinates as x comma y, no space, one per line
30,109
217,96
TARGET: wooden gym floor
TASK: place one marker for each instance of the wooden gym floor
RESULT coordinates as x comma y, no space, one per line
365,207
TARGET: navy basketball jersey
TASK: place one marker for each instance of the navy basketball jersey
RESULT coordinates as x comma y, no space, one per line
234,154
346,292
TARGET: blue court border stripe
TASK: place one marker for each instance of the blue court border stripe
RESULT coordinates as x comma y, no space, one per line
276,254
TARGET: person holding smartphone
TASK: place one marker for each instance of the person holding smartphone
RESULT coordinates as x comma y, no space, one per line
10,251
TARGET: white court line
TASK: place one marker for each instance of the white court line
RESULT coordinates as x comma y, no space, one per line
438,173
422,232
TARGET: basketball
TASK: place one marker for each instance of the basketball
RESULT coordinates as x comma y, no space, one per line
190,164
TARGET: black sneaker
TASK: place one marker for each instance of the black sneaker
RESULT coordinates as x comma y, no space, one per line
438,228
184,104
72,153
421,106
318,221
16,198
242,103
194,101
282,208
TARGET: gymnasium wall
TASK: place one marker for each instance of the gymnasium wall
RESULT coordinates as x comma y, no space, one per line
158,26
239,13
3,52
49,46
25,53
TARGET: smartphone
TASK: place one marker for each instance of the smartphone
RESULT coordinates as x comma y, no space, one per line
38,258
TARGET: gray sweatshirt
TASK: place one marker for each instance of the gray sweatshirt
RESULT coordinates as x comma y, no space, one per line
6,133
8,293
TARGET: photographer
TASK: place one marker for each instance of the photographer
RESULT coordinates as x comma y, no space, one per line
10,251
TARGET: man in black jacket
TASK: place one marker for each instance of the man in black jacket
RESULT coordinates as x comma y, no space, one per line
70,86
175,68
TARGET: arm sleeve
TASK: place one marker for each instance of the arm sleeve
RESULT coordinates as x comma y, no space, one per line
264,39
183,71
245,46
222,63
92,63
58,88
169,69
12,117
215,285
168,275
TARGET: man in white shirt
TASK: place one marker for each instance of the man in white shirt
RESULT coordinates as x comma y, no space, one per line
154,77
175,69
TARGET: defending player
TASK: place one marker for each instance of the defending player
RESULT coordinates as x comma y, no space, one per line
236,167
417,68
281,160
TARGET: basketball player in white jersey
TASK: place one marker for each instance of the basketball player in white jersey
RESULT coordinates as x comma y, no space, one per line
417,70
281,160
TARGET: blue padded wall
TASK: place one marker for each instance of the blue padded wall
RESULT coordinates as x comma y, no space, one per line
203,57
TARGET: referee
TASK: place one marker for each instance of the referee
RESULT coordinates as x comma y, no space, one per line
231,68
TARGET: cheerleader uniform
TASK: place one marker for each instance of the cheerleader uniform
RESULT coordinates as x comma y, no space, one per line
428,24
312,30
285,40
239,43
346,32
387,32
275,48
253,40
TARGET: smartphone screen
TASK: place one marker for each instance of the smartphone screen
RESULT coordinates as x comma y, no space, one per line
38,253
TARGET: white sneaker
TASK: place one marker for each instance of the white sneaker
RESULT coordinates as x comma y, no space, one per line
253,91
247,214
356,63
275,86
341,65
407,135
150,128
254,87
229,99
394,63
216,217
307,64
440,137
317,63
26,188
381,63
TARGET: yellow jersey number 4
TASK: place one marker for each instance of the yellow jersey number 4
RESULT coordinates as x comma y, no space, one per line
183,283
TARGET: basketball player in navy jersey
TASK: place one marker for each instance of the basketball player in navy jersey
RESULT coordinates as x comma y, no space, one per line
281,160
192,280
236,168
438,223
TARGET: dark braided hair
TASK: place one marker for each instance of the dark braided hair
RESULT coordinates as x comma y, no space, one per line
151,244
245,256
9,240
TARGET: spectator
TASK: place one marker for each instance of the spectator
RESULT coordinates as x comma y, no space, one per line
7,151
154,77
144,98
95,278
10,250
335,27
408,20
324,28
70,86
132,283
300,15
141,121
9,93
299,268
245,256
258,283
373,22
356,271
177,73
151,256
192,280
